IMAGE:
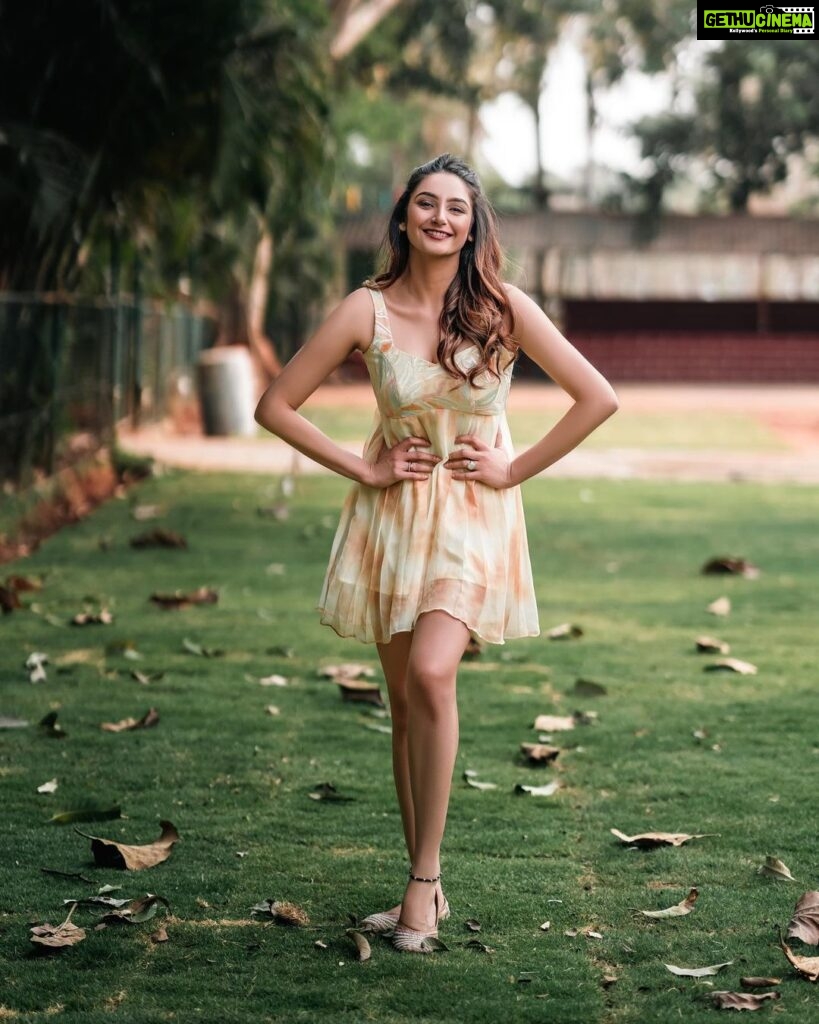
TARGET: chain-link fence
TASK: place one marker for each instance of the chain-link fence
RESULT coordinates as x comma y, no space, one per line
69,372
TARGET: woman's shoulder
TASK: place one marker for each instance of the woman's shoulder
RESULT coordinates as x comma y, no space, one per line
356,311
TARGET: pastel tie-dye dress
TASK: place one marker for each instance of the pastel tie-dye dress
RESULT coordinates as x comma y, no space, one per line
457,545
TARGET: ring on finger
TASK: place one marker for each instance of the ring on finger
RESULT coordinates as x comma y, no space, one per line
471,464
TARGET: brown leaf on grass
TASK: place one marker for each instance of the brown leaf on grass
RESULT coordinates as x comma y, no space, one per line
49,936
470,780
727,565
565,631
755,982
744,668
588,688
539,753
472,924
357,691
473,649
808,966
23,583
145,677
159,538
205,652
160,935
86,814
697,972
48,787
548,790
101,618
711,645
282,912
327,791
649,840
742,1000
48,725
35,663
774,868
9,601
554,723
9,722
348,670
804,924
363,951
204,595
720,606
136,911
142,513
109,854
150,718
477,944
678,910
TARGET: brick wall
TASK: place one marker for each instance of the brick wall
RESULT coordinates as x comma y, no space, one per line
729,357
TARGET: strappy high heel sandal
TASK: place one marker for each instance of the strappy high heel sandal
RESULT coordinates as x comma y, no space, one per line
383,922
412,940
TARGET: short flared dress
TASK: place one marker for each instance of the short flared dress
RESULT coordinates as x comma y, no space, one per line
442,542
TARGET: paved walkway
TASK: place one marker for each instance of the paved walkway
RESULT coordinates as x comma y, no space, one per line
791,411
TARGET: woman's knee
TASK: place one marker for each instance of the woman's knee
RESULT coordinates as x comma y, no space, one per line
430,687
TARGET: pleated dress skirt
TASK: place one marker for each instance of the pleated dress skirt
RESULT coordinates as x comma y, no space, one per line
417,545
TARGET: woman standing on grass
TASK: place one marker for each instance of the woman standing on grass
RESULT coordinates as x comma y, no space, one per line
431,547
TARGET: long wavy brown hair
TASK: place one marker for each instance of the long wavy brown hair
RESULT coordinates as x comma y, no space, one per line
475,306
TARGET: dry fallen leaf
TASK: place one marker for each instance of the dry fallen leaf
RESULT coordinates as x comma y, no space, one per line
472,924
744,668
35,663
109,854
282,911
477,944
470,780
804,924
754,982
548,790
349,670
204,595
159,538
648,840
363,951
192,647
711,645
49,936
726,564
101,618
554,723
808,966
48,725
136,911
160,935
565,631
48,787
774,868
358,691
697,972
678,910
273,680
588,688
720,606
327,791
150,718
742,1000
539,753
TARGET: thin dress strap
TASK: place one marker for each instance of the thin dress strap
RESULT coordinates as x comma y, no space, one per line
382,320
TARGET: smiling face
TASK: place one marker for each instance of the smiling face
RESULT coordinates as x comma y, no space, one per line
439,214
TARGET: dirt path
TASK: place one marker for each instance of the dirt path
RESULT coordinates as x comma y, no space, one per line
792,412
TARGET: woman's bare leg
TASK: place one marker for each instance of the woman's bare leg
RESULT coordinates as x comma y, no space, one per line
438,643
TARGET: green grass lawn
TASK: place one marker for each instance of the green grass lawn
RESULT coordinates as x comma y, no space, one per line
620,559
717,429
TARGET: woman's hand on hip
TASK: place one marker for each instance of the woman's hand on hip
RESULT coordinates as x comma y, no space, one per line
491,465
403,462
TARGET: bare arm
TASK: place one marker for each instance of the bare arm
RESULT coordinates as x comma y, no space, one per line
594,398
322,353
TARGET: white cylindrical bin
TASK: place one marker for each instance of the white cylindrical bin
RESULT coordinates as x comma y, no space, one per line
226,391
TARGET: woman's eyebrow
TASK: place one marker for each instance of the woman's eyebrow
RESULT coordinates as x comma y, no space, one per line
454,199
